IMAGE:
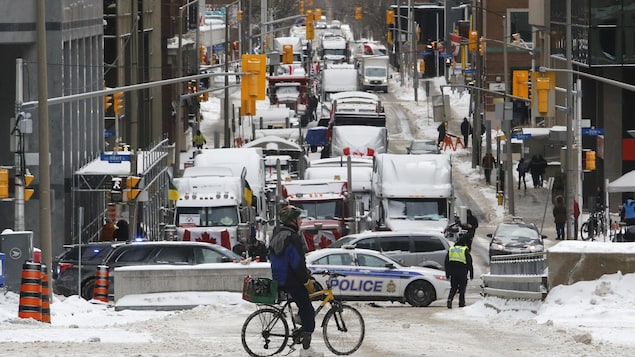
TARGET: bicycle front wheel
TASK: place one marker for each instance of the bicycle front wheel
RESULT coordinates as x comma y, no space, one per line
584,231
343,329
265,332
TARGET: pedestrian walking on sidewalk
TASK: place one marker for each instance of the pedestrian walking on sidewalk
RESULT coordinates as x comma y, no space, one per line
542,169
458,263
523,167
560,217
488,166
466,130
442,130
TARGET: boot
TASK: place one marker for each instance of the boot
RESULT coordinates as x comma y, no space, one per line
306,340
449,304
310,353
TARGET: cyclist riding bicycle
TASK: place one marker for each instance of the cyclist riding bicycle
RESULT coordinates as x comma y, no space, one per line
288,268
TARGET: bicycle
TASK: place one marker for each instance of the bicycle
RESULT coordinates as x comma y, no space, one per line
595,225
267,332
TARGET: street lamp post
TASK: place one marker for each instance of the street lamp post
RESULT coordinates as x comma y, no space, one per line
507,126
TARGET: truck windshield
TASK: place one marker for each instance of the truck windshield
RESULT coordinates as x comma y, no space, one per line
207,216
320,210
376,72
417,209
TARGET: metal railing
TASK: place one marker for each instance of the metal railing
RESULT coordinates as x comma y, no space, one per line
517,276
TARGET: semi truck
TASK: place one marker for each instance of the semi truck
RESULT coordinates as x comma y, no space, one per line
211,207
412,192
373,73
325,211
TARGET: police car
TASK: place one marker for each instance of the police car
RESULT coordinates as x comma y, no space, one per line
371,276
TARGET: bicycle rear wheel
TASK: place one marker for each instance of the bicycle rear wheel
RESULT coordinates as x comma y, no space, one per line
265,332
343,329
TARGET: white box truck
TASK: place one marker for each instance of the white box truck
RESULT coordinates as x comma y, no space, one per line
373,73
412,192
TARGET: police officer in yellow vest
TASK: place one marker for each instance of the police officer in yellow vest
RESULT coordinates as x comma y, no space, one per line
458,262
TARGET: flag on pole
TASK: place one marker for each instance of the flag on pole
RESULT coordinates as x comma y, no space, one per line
456,44
173,193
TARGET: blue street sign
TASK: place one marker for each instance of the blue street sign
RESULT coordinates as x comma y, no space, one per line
469,71
114,158
445,55
521,136
109,134
593,131
426,53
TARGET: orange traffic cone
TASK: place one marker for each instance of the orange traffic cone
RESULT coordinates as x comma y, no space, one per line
100,292
46,299
31,292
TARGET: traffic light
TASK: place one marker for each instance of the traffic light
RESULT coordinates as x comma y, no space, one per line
287,54
107,102
473,40
132,187
358,13
543,86
481,46
115,189
310,31
422,67
389,37
309,17
520,85
118,102
418,33
589,160
252,85
239,15
28,192
318,14
309,3
390,17
4,183
301,6
201,54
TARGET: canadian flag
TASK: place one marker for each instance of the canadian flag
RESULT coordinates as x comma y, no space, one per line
214,237
456,44
319,240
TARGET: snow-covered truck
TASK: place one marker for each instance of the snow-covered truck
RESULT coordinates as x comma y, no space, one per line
358,140
336,79
324,205
373,73
334,49
211,207
412,192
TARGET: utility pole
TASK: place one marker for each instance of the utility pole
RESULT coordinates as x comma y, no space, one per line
507,126
177,93
226,138
19,147
43,137
398,43
413,48
570,162
476,114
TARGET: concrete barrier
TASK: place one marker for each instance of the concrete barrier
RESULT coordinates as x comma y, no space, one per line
174,278
573,261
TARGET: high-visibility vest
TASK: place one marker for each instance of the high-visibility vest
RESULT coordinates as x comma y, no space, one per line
458,254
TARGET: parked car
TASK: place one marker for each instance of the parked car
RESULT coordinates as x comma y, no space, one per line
143,253
371,276
92,254
423,147
425,249
515,237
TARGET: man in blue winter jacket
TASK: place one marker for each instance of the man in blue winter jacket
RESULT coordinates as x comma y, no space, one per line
288,268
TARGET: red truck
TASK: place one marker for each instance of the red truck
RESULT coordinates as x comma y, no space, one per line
325,209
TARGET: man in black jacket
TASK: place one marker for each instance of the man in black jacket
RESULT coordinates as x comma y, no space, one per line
458,262
466,130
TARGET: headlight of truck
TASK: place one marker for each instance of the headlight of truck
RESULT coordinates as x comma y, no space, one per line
384,81
366,81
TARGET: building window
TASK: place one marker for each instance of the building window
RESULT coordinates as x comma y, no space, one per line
519,23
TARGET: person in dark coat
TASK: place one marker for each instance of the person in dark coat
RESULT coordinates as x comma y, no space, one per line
441,129
122,231
560,217
241,248
488,166
458,263
257,250
288,268
534,170
522,168
466,130
470,226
